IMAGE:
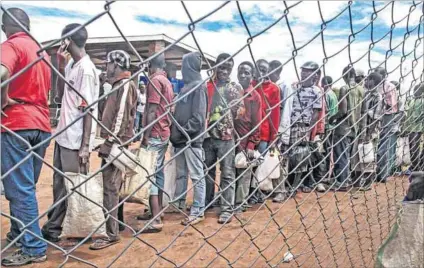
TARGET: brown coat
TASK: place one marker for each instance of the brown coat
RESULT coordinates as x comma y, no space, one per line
119,114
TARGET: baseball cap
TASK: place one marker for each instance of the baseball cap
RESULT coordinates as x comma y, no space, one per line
360,72
119,57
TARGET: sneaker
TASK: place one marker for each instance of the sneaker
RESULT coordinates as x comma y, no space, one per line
321,188
239,210
10,238
279,198
306,189
225,218
192,220
19,258
365,188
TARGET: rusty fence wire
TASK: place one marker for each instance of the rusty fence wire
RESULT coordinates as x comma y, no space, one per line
333,228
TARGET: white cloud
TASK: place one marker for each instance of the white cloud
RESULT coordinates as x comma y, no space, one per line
274,44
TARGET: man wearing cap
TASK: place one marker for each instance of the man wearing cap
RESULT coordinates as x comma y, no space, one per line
360,77
307,104
75,142
118,118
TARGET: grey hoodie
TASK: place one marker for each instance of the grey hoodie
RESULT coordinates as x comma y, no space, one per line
190,112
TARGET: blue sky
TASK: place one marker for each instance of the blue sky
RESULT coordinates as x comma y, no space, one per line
224,30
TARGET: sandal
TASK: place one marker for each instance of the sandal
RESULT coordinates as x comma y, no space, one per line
192,220
148,216
68,243
102,243
153,228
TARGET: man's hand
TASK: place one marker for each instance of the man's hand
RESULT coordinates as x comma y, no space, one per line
144,142
105,148
250,154
62,56
84,155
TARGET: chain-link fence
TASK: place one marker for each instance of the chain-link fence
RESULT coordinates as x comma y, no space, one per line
347,207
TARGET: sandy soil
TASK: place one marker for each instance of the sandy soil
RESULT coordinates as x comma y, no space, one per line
332,229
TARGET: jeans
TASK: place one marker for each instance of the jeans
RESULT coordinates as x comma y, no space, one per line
20,184
386,154
215,149
137,121
341,159
157,145
263,147
190,162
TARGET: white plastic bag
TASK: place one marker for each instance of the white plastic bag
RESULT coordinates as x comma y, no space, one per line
170,179
366,153
83,216
124,162
403,156
242,162
267,171
132,183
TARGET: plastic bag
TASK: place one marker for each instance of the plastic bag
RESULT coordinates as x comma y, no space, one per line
267,171
124,162
242,162
132,183
170,180
403,156
83,216
366,153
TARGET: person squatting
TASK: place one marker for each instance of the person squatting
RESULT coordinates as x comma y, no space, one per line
314,129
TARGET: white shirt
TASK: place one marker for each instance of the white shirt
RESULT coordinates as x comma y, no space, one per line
82,75
287,94
141,99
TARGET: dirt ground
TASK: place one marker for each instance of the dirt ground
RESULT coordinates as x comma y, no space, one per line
332,229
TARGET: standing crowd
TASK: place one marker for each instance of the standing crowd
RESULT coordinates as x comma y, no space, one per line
316,131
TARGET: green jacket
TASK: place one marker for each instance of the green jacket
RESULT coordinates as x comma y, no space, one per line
414,115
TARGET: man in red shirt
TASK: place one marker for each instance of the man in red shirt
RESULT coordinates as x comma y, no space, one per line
25,123
247,125
156,138
270,98
270,94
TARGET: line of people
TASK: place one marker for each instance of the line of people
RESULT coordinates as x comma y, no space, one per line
310,125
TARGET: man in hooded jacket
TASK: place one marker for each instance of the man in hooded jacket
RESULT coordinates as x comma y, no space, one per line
190,117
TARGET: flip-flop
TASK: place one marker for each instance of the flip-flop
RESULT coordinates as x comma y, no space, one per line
153,228
102,243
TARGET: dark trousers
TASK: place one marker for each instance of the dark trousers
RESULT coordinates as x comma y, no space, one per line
112,181
417,157
341,151
214,150
65,160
